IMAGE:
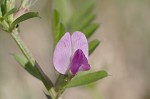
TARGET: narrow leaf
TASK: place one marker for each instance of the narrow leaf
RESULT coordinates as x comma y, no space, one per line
3,7
60,32
85,22
83,11
47,96
14,10
24,17
21,59
86,8
93,45
87,79
55,21
89,30
36,70
46,81
58,28
64,8
1,1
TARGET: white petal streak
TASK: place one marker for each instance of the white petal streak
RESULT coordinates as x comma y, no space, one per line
79,41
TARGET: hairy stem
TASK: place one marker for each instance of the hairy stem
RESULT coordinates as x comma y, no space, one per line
22,47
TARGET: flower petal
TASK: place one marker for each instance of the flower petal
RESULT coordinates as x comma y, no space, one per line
79,41
79,62
62,54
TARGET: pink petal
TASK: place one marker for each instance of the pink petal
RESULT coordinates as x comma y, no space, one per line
62,54
79,41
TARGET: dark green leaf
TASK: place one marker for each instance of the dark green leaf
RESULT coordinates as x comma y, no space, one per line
21,59
47,96
36,70
87,78
93,45
3,7
46,81
24,17
14,10
89,30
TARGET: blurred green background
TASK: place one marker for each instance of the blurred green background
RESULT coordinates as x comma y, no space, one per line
124,53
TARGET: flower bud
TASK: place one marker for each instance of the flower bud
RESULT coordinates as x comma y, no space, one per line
25,5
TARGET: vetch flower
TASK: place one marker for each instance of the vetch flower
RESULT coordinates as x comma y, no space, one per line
71,53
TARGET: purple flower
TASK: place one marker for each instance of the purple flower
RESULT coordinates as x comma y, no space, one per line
71,53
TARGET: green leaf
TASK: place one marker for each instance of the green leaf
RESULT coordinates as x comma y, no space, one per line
14,10
87,8
87,78
3,6
60,32
91,86
93,45
1,1
58,28
89,30
24,17
55,22
64,8
84,10
21,59
85,22
36,70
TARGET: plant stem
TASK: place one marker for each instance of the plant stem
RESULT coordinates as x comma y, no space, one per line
48,84
22,47
61,84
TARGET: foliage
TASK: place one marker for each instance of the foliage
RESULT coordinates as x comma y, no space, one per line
65,17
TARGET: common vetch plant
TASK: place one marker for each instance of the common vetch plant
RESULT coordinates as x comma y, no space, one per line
72,25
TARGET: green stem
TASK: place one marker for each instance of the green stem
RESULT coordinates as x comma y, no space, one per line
58,96
48,84
22,47
61,84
